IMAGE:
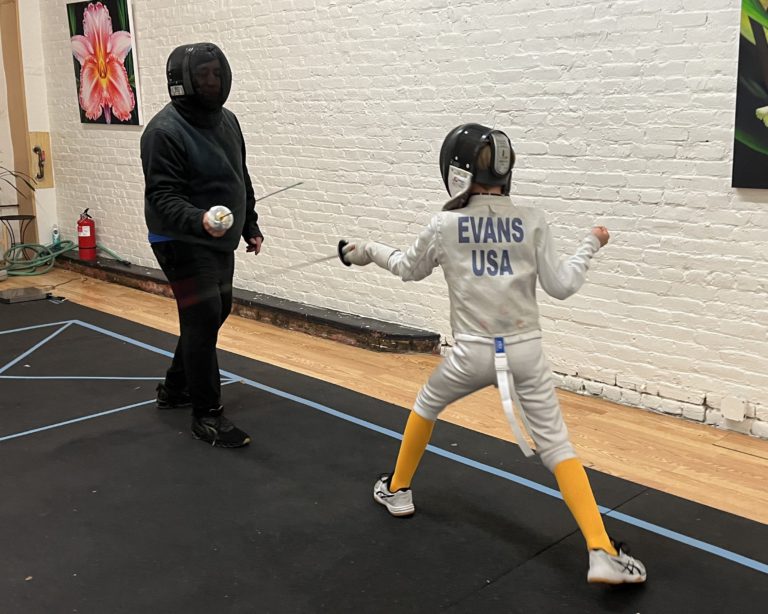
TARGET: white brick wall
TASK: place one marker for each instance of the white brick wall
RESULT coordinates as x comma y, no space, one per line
621,114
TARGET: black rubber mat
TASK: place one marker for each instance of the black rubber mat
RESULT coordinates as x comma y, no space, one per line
111,506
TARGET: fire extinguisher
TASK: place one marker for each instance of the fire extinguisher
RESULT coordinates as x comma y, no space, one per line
86,236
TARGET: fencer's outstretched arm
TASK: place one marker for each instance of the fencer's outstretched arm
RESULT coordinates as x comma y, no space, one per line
418,261
560,277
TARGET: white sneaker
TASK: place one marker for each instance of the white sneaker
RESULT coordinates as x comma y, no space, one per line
609,569
398,503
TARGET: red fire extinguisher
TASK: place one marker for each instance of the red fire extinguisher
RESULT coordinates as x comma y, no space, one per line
86,236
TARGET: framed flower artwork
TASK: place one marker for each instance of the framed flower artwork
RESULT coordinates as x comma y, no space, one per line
750,150
104,55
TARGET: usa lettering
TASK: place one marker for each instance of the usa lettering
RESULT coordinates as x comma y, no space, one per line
490,230
491,262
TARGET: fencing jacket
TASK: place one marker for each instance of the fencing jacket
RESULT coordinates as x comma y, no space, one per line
491,252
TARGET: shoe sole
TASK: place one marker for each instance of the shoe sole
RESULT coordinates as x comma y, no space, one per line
394,511
615,581
220,444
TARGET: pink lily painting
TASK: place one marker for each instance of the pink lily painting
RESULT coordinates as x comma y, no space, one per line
103,50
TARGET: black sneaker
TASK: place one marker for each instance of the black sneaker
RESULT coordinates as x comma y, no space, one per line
218,431
169,399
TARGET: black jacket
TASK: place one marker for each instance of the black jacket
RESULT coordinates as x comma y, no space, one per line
190,168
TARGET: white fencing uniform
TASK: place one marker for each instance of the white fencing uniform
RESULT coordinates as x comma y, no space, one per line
491,252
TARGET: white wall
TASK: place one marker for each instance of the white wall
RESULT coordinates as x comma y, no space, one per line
621,114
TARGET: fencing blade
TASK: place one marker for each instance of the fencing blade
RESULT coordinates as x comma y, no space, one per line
339,254
278,191
304,265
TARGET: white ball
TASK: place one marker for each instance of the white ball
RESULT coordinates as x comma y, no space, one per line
221,217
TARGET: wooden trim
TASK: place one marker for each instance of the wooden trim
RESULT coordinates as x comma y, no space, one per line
10,35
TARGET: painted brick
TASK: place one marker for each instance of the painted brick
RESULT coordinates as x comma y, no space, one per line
573,384
630,397
714,418
594,388
693,412
760,429
761,413
649,401
621,114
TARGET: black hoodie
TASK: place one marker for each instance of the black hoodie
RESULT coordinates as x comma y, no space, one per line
193,156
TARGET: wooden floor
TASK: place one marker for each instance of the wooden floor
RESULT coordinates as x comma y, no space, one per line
718,468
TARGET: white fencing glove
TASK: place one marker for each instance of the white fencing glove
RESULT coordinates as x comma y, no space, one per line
356,251
220,217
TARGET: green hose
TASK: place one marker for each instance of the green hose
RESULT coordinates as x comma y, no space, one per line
120,259
18,262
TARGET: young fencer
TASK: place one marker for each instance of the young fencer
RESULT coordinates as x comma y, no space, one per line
492,252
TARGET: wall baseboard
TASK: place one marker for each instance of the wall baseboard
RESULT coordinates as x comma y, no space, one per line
317,321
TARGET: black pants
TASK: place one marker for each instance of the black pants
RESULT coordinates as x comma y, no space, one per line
201,280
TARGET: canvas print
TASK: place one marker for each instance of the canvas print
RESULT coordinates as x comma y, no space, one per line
750,153
101,36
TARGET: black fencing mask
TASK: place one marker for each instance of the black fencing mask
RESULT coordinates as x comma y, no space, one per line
199,81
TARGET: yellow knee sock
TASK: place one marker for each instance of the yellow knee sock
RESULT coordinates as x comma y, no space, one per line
418,430
577,493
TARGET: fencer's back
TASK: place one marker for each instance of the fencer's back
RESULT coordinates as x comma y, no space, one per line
487,251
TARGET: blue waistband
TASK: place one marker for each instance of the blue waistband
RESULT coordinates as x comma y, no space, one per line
153,238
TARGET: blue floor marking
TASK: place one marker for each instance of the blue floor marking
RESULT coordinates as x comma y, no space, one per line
74,420
690,541
77,377
631,520
109,333
34,347
18,330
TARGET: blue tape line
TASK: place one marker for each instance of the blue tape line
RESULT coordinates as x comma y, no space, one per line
668,533
18,330
74,420
34,347
109,333
631,520
690,541
77,377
